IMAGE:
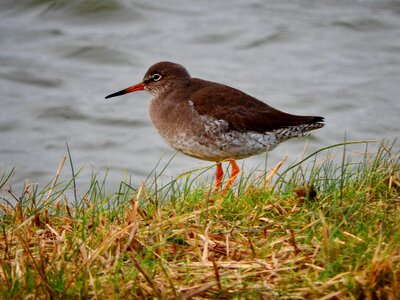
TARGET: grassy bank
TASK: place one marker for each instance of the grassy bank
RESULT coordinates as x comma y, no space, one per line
317,229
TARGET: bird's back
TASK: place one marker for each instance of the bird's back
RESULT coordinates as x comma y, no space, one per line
241,111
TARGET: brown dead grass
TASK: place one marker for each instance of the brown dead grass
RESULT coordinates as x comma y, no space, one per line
257,245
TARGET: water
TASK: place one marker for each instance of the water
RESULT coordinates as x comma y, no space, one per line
337,59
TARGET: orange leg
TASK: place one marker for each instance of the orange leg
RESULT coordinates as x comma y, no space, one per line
234,174
218,177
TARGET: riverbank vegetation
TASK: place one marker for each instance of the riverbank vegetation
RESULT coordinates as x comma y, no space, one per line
322,228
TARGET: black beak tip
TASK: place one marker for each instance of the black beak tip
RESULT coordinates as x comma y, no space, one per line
123,92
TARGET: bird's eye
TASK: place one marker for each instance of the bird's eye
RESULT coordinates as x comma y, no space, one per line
155,77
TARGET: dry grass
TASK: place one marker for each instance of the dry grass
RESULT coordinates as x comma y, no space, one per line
302,237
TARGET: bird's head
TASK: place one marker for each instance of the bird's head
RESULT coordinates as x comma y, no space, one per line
158,79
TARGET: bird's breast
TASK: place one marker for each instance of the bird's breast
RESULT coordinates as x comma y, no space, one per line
174,118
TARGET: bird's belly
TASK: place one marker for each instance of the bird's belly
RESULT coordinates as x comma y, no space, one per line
232,144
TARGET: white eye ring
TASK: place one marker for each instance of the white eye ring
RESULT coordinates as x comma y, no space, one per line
156,77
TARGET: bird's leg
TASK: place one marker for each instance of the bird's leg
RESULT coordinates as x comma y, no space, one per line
234,174
218,177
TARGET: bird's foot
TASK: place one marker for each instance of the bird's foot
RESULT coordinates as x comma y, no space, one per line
219,175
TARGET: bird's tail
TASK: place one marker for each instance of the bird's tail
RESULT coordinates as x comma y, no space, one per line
300,129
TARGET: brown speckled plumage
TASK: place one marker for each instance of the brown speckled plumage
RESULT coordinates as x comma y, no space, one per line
212,121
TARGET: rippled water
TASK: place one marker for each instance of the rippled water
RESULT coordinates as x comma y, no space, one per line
338,59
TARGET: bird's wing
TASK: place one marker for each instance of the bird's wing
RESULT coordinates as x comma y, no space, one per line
241,111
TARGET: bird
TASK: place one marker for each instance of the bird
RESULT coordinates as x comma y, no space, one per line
212,121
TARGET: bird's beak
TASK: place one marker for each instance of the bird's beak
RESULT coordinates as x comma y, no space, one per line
134,88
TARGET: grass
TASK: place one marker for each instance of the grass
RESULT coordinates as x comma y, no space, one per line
316,230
